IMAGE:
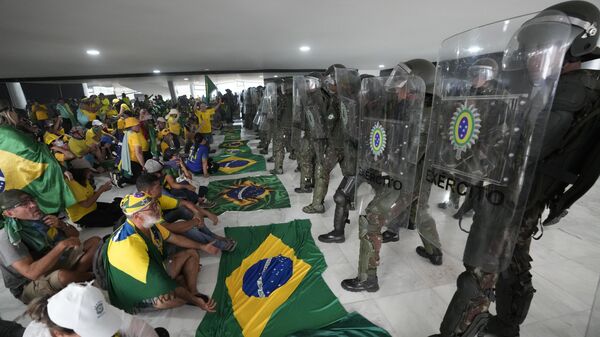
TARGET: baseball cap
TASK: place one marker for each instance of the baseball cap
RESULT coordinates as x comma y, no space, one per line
83,309
11,198
153,166
96,122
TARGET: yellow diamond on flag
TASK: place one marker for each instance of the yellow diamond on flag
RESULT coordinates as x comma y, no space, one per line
18,172
263,282
233,164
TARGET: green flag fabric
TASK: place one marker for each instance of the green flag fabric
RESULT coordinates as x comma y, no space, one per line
271,285
234,147
232,135
210,87
247,194
239,163
28,165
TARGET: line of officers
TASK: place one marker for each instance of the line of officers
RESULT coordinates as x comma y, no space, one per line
509,129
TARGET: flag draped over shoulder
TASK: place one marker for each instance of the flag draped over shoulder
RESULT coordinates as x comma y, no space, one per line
247,194
271,285
239,163
210,87
28,165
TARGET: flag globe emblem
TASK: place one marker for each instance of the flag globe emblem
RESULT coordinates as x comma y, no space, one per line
377,140
464,128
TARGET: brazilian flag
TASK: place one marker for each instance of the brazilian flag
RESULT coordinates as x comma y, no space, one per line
247,194
271,285
232,135
243,149
29,165
233,144
240,163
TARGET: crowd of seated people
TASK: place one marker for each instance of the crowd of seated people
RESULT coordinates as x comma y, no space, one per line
159,232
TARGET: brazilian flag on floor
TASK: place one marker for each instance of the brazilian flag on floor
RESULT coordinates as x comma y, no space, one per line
247,194
232,135
240,145
240,163
271,286
28,165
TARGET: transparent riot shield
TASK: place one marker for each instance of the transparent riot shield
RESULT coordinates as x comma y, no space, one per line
315,106
348,86
388,125
593,328
493,93
298,117
270,107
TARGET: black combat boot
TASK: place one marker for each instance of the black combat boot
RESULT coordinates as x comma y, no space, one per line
389,236
435,258
355,285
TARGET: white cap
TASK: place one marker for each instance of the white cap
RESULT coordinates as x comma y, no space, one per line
96,122
173,112
153,166
83,309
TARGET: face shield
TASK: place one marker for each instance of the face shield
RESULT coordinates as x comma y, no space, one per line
312,83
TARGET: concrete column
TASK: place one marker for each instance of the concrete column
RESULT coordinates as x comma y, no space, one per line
172,91
17,96
85,89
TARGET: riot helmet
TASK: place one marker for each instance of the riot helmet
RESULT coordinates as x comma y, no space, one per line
313,81
286,86
483,70
329,78
425,70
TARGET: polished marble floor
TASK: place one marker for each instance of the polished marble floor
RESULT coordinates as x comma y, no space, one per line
414,294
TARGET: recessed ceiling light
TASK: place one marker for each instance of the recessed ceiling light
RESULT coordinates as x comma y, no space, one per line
276,76
261,76
93,52
206,69
381,66
156,71
186,79
305,48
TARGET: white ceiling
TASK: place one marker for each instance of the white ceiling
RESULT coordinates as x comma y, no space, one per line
42,38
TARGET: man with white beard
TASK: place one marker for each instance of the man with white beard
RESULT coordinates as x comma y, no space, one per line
140,276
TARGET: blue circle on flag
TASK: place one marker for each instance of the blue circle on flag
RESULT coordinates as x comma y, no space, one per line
267,275
463,127
2,182
245,192
235,163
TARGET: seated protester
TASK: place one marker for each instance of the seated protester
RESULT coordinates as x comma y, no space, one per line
96,136
199,162
148,278
176,182
86,113
88,212
189,130
174,209
94,316
133,156
39,253
59,148
40,112
80,148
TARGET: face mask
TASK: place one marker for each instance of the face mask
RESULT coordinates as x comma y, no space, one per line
59,143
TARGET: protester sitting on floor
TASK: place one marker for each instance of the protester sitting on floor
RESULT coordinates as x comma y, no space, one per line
193,226
97,136
139,273
175,183
81,310
199,161
174,127
59,148
79,147
88,211
39,253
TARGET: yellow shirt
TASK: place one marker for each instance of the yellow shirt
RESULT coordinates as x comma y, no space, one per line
111,113
79,147
91,137
133,140
162,133
121,124
41,114
81,193
163,147
167,202
105,102
204,117
89,114
174,126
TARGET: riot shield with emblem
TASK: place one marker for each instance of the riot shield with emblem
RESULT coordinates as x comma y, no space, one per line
390,114
493,93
